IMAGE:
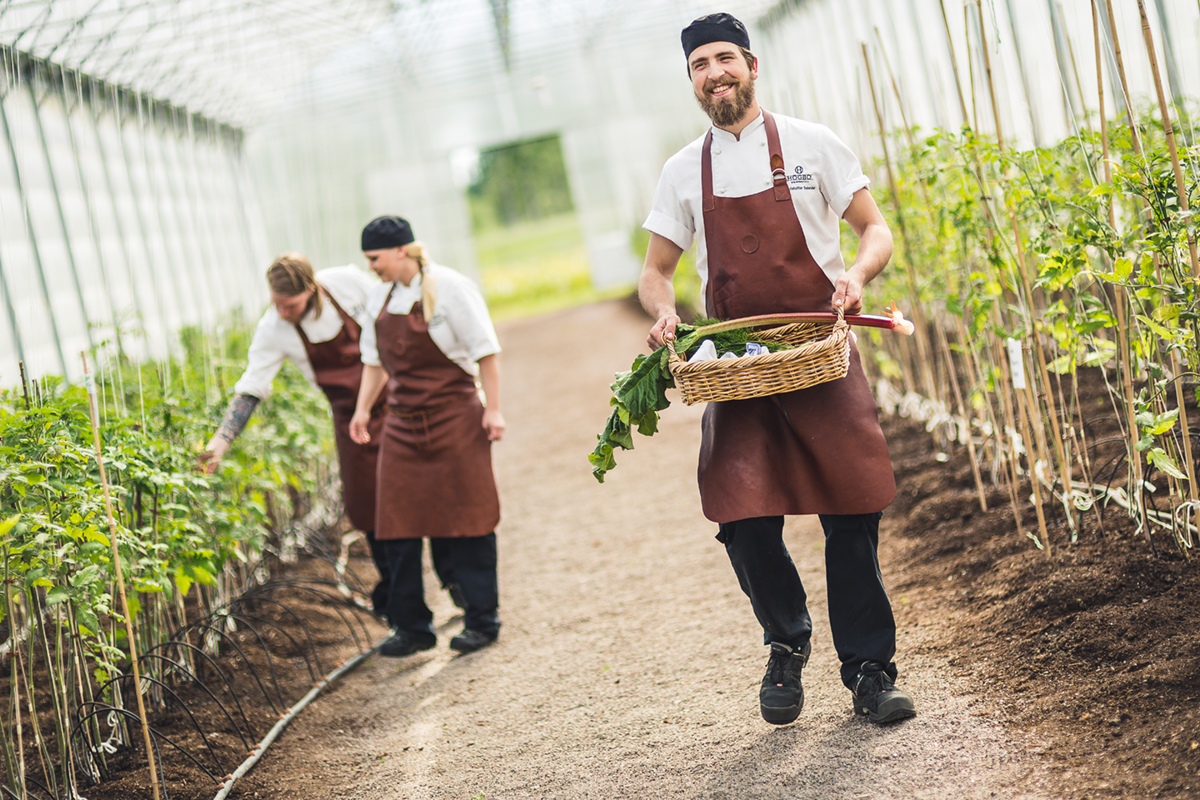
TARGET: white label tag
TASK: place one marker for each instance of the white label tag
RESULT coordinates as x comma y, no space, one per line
1016,363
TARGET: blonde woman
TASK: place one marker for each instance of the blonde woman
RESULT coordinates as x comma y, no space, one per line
315,321
433,345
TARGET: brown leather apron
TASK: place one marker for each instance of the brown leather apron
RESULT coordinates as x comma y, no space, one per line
818,450
338,367
435,466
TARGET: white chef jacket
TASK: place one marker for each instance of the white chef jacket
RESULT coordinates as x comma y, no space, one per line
461,326
276,340
822,172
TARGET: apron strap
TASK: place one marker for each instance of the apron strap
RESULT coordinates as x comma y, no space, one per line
778,176
706,173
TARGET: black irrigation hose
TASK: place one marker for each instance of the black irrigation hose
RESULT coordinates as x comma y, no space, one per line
246,619
202,625
243,604
207,691
103,708
219,671
239,612
335,605
300,705
179,700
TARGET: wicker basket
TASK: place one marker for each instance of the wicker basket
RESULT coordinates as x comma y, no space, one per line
821,352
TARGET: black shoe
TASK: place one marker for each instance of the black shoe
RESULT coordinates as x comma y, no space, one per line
456,595
469,641
781,696
876,696
403,643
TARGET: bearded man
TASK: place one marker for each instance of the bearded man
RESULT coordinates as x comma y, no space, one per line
762,194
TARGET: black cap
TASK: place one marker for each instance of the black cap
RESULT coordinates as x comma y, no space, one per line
388,231
710,28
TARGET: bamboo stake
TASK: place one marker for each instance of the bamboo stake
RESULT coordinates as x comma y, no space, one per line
116,553
963,412
962,104
1121,303
1181,193
917,315
1024,273
15,681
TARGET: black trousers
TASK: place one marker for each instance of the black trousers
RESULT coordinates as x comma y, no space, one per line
470,562
860,614
379,594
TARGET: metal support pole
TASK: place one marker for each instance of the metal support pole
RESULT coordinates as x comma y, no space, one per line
37,256
184,223
201,210
93,226
141,223
62,217
112,195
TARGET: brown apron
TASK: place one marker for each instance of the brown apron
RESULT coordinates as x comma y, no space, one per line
818,450
435,468
338,367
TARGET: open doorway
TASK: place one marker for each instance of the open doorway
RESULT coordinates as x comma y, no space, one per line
529,245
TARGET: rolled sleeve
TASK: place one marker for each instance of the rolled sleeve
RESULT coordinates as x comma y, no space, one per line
471,322
844,173
669,228
262,364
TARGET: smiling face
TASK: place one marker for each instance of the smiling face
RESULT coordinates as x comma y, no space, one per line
292,308
392,264
723,81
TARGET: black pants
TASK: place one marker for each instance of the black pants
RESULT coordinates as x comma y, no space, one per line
860,615
379,594
470,562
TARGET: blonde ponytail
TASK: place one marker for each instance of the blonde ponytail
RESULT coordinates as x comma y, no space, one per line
416,251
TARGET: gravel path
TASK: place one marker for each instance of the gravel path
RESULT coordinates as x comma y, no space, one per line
629,662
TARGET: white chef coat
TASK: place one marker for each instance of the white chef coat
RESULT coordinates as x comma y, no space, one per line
461,326
276,340
822,172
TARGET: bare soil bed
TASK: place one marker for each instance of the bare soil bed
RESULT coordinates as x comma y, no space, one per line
629,661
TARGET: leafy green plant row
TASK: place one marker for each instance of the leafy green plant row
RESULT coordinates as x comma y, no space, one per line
182,536
1080,254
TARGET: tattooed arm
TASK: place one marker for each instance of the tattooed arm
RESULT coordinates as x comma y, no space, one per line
236,416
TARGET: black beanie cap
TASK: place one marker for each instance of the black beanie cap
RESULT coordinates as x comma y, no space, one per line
387,231
720,27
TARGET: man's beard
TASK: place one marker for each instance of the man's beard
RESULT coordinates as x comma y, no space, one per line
726,111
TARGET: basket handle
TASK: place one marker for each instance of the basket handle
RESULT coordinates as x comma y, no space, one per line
776,319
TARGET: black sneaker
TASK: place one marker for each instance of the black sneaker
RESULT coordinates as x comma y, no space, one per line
781,696
876,696
470,640
403,643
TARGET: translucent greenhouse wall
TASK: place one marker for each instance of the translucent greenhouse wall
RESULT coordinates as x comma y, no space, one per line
123,214
379,129
122,221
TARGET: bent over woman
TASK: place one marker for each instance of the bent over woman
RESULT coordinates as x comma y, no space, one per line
315,321
432,340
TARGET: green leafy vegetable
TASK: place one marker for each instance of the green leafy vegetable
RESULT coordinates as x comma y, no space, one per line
641,393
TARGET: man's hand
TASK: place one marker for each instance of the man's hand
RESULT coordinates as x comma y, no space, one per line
847,292
663,329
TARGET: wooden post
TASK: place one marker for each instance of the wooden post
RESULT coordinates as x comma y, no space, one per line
116,554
